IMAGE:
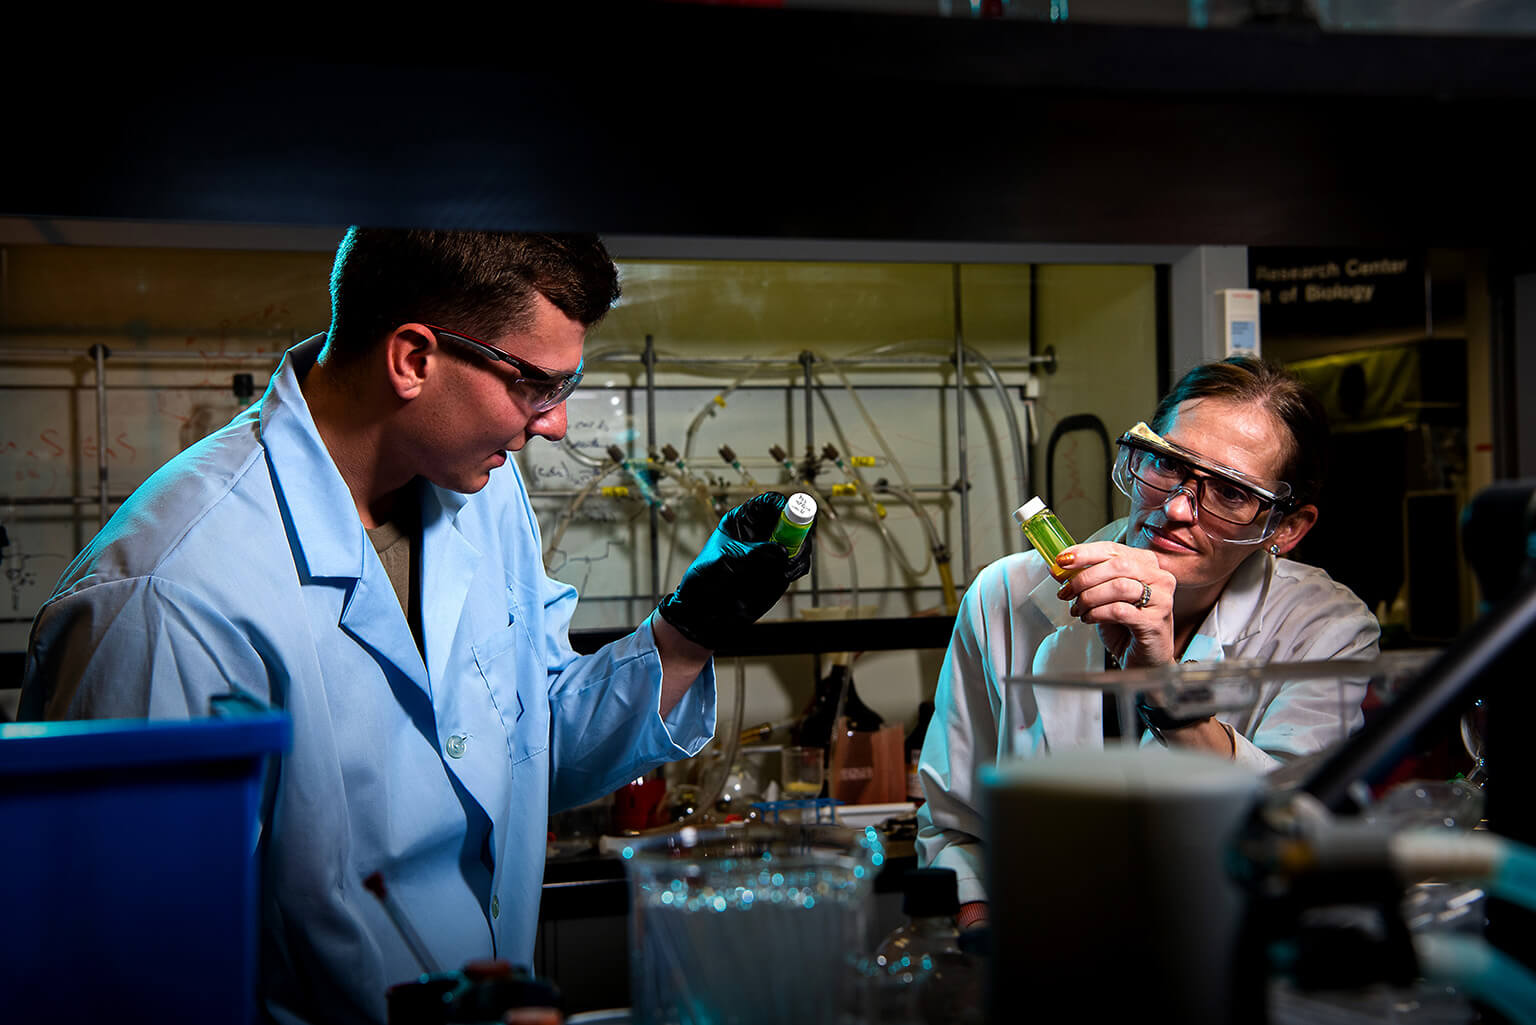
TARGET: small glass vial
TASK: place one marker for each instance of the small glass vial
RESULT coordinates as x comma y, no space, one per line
1045,532
794,522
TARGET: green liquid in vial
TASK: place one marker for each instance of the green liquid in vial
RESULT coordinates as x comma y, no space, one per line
794,523
1050,539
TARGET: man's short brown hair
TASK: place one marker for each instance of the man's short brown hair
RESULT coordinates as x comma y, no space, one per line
481,283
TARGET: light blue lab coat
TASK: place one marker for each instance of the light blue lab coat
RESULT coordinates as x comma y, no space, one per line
242,564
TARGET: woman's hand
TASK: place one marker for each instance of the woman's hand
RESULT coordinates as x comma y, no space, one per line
1106,588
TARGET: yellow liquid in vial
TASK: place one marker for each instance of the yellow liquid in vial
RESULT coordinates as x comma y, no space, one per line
800,789
1050,539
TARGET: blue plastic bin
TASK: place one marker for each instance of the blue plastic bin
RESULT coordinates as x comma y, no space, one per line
128,868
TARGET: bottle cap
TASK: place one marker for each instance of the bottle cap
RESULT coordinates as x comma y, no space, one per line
930,892
1029,510
800,509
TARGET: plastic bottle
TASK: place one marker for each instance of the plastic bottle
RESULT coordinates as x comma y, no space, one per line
924,975
1045,532
914,751
794,521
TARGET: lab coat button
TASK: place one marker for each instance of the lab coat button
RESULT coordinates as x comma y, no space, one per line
456,745
495,907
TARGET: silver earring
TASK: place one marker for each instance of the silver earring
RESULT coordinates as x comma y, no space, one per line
1274,549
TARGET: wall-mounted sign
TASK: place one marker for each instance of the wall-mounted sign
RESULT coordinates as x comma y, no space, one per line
1333,293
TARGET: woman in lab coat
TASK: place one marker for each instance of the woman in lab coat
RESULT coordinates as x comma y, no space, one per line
1221,486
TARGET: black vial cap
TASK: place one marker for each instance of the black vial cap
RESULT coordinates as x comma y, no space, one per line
930,892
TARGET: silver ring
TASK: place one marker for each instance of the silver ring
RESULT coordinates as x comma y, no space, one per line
1146,595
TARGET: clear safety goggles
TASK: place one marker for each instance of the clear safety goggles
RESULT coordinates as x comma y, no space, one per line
1229,504
544,389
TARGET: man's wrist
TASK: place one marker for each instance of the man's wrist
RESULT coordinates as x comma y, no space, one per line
672,641
686,622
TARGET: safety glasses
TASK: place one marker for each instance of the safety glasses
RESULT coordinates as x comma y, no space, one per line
1229,504
543,389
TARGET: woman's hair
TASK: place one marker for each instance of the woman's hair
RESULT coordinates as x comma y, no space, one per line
480,283
1247,379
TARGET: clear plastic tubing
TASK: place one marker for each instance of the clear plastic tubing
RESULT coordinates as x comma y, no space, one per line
794,522
1045,532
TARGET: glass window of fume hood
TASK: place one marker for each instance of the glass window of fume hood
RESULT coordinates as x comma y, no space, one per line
772,360
186,338
191,336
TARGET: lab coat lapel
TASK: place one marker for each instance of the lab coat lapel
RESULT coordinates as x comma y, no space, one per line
374,618
1237,615
329,544
448,565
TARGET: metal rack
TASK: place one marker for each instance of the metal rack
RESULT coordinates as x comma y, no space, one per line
810,388
98,355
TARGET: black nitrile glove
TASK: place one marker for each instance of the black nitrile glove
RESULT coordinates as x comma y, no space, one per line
738,576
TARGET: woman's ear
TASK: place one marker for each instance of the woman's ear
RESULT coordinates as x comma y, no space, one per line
1293,528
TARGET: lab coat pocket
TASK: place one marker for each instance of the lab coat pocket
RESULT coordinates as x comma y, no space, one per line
509,664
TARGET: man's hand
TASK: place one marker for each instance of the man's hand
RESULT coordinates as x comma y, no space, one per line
738,576
1106,589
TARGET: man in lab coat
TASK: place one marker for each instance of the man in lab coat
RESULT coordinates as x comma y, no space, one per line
353,549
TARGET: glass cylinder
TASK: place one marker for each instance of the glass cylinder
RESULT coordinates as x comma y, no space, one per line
750,925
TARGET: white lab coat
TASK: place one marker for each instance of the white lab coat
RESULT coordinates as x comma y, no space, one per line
1011,624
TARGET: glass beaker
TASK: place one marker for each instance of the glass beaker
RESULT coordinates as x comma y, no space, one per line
750,925
802,772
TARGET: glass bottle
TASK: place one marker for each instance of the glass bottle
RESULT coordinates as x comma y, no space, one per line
1045,532
923,974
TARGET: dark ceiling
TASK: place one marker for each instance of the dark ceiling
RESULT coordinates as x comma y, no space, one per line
718,121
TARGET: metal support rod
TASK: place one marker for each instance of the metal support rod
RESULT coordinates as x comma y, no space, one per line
1034,348
70,500
1025,363
885,589
100,353
807,358
32,386
744,490
964,483
650,445
145,356
1021,465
